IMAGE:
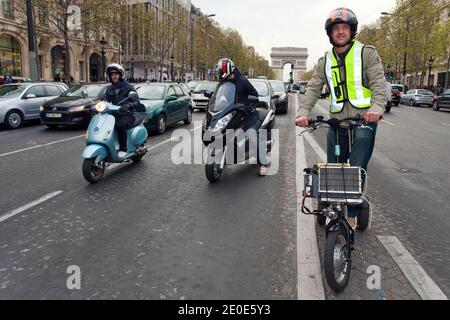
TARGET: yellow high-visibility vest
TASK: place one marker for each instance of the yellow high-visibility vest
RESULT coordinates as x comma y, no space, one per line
356,93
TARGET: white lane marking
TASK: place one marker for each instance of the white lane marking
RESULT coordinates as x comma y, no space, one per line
389,123
30,205
309,275
40,146
318,149
416,275
446,124
2,133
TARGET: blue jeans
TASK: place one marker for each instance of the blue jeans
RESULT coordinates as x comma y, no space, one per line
362,150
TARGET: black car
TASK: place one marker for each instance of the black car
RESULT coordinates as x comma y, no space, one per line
396,95
71,108
279,89
442,102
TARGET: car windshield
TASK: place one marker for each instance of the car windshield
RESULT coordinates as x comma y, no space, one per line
77,91
277,86
447,92
11,91
151,92
261,87
192,84
425,93
205,87
223,97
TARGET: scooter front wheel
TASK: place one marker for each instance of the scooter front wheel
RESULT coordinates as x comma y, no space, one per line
337,260
93,172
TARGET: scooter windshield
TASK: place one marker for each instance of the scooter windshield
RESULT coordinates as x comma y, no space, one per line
224,96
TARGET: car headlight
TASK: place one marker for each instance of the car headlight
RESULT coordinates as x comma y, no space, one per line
222,123
76,109
100,107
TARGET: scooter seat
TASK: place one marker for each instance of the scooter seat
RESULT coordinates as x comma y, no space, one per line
262,114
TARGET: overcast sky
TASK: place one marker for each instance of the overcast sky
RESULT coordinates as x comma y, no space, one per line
287,23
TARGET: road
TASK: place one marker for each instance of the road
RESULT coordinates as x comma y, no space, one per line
152,230
156,230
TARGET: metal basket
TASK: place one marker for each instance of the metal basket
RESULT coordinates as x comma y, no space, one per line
339,183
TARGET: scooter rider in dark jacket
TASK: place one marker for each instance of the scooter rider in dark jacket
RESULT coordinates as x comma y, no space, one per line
117,94
227,71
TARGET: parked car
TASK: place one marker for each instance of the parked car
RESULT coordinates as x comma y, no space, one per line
266,93
192,84
21,101
168,104
71,108
442,102
278,87
400,88
417,97
198,94
395,95
389,97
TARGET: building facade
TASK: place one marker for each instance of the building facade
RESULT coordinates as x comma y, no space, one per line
86,63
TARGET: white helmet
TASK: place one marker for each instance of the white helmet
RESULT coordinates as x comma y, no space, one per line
115,67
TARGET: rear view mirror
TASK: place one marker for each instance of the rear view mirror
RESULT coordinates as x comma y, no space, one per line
208,94
133,96
171,98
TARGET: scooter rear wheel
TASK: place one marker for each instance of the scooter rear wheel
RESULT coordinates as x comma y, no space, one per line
92,172
337,263
213,172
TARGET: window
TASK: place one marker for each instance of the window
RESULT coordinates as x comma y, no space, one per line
171,92
10,56
7,8
38,91
53,91
179,92
81,68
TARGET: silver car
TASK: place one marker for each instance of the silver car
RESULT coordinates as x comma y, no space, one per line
266,93
21,101
417,97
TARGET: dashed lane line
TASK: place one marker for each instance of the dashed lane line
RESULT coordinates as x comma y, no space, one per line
28,206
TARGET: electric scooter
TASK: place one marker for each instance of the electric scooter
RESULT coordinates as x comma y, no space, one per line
102,140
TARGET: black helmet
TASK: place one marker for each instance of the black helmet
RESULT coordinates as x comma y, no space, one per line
341,15
115,67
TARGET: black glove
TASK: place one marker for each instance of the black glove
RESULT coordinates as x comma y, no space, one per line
125,108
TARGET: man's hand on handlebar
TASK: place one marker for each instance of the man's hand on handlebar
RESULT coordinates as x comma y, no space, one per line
302,122
372,117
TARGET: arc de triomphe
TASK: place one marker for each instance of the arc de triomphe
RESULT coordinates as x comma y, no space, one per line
296,56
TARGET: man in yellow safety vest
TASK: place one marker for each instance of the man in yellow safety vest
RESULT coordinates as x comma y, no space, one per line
355,75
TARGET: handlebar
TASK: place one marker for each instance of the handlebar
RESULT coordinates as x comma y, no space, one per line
347,123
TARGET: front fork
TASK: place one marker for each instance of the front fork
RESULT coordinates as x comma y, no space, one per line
341,223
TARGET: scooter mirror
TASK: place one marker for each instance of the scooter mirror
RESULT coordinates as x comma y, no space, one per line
133,96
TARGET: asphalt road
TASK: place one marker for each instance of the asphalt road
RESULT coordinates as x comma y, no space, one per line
152,230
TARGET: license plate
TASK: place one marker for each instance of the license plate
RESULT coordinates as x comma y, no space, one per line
54,115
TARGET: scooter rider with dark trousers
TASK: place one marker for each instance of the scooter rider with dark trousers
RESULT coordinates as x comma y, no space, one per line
227,71
355,75
117,94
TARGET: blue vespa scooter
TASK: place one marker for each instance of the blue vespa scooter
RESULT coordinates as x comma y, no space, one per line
102,141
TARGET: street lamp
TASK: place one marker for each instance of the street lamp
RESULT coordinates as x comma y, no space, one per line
172,59
103,44
132,68
430,66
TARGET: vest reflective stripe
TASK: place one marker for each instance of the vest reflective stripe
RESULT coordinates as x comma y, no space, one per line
359,96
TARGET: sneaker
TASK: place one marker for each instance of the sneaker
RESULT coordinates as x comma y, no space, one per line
122,154
353,222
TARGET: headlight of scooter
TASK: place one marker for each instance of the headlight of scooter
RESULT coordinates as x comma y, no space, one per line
222,124
100,107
